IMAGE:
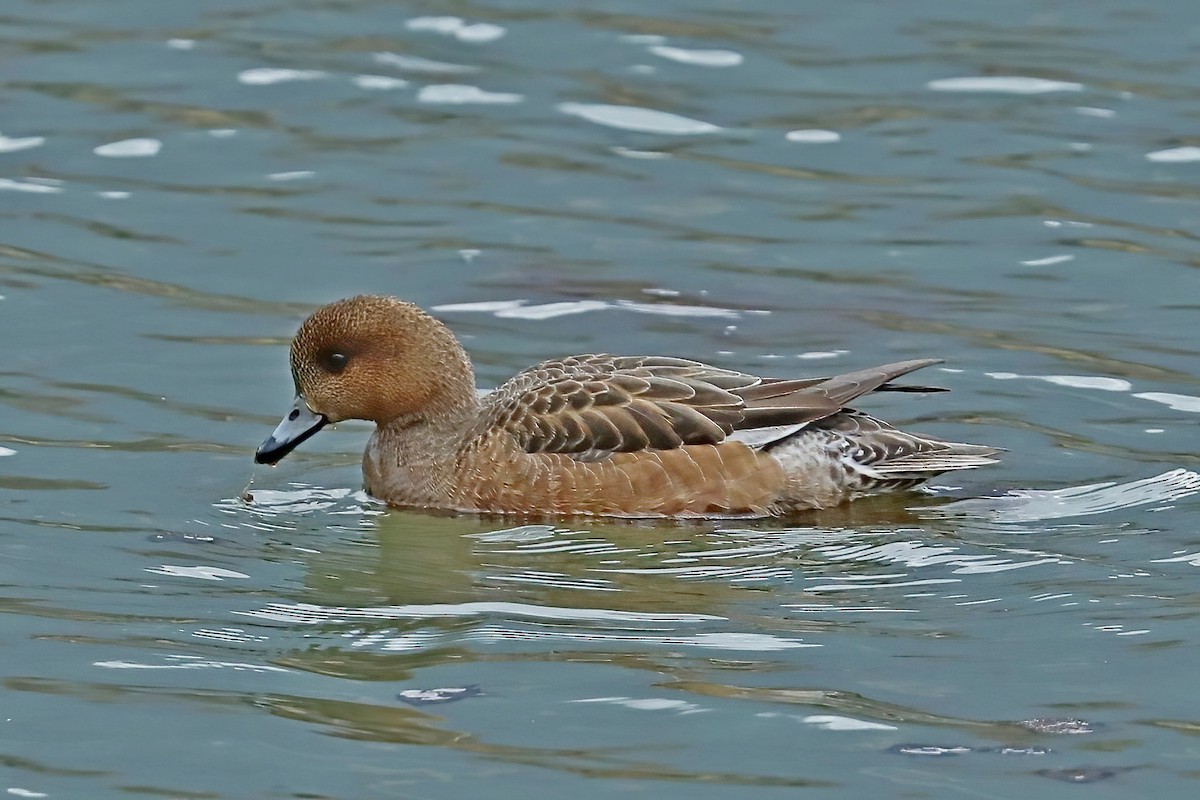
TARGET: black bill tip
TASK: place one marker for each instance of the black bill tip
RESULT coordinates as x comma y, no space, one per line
299,425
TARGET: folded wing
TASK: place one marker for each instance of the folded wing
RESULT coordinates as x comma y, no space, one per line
592,406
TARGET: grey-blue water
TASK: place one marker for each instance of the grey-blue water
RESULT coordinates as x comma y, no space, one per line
793,188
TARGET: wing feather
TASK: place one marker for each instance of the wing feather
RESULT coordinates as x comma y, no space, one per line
592,406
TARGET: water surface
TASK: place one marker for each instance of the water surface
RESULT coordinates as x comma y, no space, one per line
789,188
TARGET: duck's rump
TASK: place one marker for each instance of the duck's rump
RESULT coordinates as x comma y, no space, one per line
850,454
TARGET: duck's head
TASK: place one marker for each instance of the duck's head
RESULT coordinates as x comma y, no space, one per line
374,358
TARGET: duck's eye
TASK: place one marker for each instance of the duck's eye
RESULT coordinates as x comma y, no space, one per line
335,362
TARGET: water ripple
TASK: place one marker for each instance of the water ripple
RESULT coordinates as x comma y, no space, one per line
301,499
311,614
1034,505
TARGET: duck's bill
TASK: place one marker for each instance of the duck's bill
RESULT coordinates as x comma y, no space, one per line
300,423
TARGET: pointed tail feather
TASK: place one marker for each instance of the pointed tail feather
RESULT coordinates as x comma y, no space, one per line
834,392
955,455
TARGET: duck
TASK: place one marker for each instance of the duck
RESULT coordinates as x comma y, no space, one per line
594,434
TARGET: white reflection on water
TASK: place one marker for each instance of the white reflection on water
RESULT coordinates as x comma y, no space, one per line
190,662
129,148
293,175
12,145
1175,155
312,614
1074,381
724,640
407,641
1033,505
1003,84
641,120
550,310
265,76
813,136
425,65
201,572
382,82
698,58
830,722
1047,261
456,27
271,503
647,704
228,635
463,94
31,186
672,310
519,309
626,627
641,155
858,585
829,608
1177,402
918,554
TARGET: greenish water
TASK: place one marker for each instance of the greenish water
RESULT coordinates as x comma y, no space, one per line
1012,187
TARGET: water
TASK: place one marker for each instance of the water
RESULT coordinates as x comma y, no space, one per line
794,189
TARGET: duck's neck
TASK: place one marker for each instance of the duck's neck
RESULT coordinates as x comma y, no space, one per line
412,460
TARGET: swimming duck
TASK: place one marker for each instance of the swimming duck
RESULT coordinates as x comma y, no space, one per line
634,436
